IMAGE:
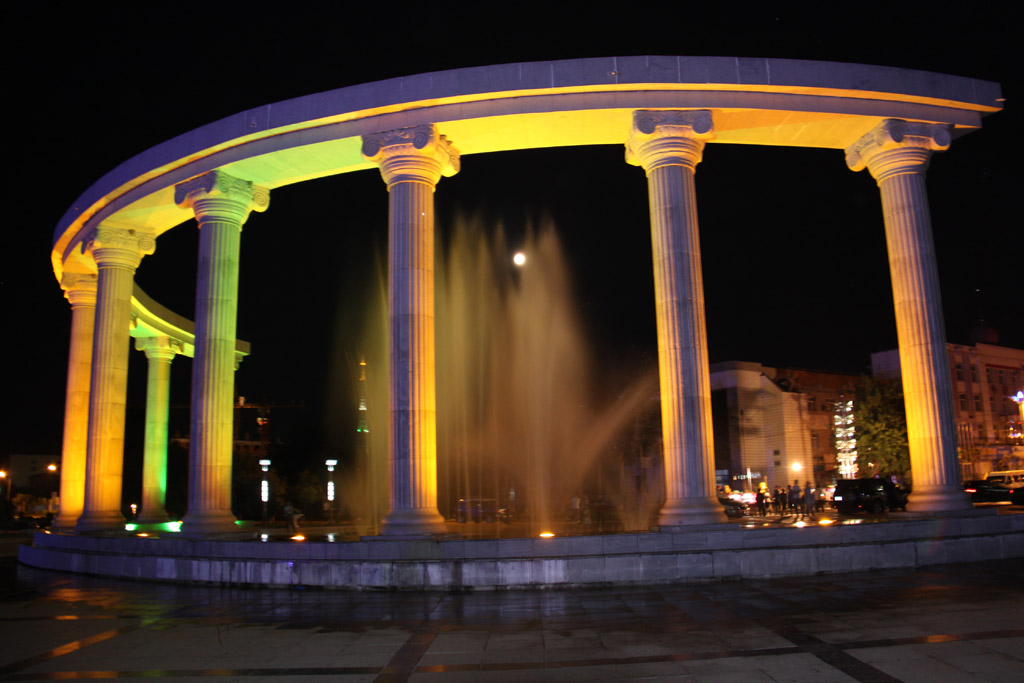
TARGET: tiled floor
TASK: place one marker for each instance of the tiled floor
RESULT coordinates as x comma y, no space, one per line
952,623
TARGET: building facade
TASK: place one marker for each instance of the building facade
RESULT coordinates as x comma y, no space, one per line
985,378
774,425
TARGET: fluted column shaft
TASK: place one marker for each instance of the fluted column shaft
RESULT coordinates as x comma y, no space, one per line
669,145
80,291
897,154
160,351
411,161
221,204
117,252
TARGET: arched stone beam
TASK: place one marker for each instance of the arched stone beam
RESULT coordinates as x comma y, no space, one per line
150,319
520,106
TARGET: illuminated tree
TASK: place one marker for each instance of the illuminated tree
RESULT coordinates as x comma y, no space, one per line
881,421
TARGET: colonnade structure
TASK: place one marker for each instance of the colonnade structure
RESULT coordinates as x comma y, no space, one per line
664,110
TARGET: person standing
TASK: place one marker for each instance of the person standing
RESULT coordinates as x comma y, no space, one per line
795,496
762,493
809,500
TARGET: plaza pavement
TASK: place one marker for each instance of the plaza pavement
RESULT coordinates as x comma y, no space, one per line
957,623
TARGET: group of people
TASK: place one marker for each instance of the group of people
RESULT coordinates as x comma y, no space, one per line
803,502
598,510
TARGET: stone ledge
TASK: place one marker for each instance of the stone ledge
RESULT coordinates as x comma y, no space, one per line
627,559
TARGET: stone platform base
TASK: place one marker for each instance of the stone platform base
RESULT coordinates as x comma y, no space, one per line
715,552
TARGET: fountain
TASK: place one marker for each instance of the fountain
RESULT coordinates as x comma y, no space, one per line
522,422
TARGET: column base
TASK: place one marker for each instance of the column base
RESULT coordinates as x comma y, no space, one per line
691,511
100,520
939,499
413,522
65,522
154,517
208,522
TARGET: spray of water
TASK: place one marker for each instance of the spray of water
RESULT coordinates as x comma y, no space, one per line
519,418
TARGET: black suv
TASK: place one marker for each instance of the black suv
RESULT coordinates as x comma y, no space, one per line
868,495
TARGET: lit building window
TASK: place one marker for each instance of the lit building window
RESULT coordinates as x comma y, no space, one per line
846,441
959,372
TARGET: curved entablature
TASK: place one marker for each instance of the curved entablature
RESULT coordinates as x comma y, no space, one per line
150,319
522,106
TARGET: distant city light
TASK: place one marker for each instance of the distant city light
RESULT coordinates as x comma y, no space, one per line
519,258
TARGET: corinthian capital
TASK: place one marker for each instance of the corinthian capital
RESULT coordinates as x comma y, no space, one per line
416,154
668,138
217,196
895,147
116,246
79,288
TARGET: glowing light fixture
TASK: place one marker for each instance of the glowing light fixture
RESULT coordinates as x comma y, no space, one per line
519,259
172,526
264,488
331,464
797,467
825,522
547,534
130,526
142,534
51,467
298,537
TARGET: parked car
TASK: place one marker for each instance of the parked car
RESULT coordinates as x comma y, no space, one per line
868,495
734,508
480,510
984,491
1013,479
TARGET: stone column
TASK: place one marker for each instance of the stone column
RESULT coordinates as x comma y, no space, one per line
160,351
117,252
221,204
668,145
897,153
411,161
80,290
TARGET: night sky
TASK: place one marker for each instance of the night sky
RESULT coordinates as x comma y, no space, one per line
795,269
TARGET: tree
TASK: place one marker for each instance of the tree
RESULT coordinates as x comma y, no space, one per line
880,420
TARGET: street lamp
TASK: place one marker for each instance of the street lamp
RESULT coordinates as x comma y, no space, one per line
330,486
264,488
7,484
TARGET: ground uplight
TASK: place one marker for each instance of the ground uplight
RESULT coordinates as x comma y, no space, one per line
547,534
